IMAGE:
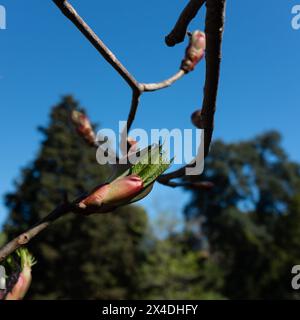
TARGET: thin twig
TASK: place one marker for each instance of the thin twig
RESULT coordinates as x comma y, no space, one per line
172,175
164,84
188,14
25,237
57,213
131,116
68,10
136,94
133,109
205,185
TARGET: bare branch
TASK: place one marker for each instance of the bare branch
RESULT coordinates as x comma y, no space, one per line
205,185
133,109
25,237
131,116
214,27
57,213
179,173
204,118
164,84
188,14
71,14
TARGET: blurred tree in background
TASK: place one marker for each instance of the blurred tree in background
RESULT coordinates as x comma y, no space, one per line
2,238
95,257
250,221
111,256
173,270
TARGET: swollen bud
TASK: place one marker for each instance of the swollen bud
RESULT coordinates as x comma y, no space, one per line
21,286
83,127
108,196
195,51
132,184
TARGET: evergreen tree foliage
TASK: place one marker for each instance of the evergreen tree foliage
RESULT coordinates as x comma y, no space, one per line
173,270
93,257
250,219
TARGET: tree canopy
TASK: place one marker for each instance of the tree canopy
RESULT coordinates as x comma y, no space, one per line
250,219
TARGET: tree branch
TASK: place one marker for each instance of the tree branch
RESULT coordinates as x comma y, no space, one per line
164,84
25,237
60,211
205,185
214,28
67,9
214,24
204,118
131,116
136,94
188,14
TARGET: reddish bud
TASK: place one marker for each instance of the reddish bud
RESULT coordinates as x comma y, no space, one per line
108,196
195,51
83,127
22,285
201,120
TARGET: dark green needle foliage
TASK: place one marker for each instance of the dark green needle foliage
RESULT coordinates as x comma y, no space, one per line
175,270
90,258
251,218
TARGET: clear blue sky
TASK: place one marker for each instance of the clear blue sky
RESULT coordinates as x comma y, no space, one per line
44,57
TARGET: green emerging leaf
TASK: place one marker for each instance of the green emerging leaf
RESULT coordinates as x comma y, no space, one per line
148,163
26,257
151,165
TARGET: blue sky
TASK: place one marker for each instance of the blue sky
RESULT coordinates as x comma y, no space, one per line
44,57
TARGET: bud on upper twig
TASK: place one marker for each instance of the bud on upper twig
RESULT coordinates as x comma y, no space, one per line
83,127
195,51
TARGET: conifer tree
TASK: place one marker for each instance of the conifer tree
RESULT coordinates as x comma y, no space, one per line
93,257
250,219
